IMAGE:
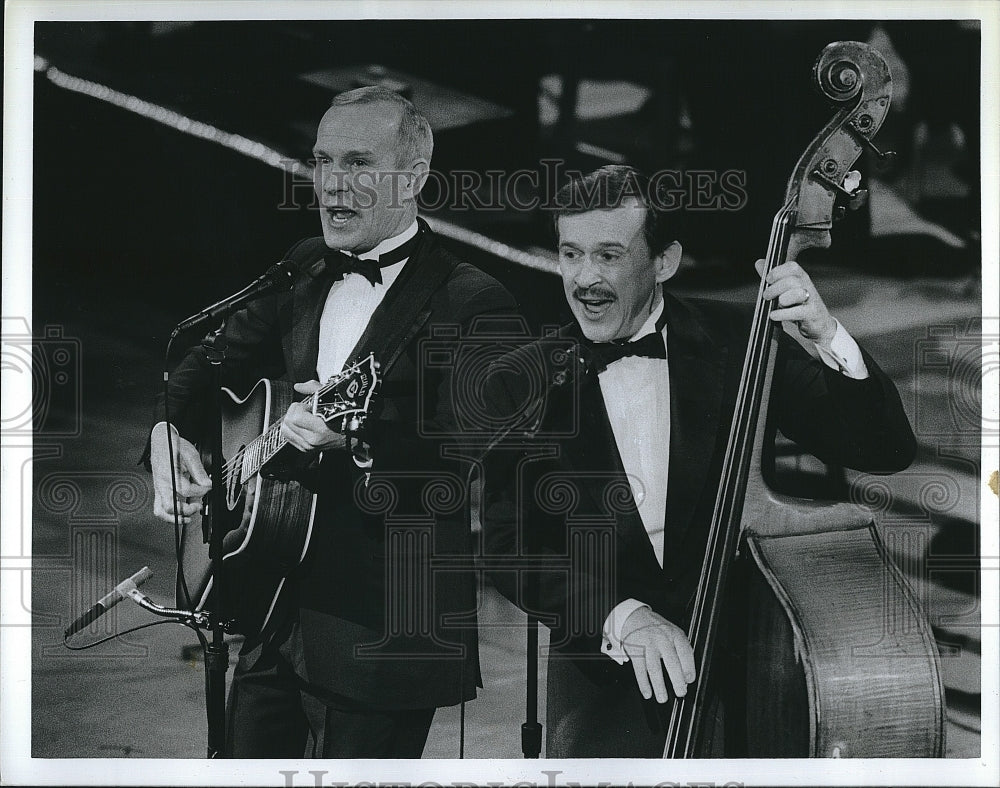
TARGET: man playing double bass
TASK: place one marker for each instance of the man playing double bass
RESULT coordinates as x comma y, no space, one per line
606,532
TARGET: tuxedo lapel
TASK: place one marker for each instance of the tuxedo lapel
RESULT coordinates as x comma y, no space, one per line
697,374
591,446
697,361
395,321
308,300
404,310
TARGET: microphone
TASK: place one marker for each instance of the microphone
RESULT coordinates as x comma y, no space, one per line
105,603
277,278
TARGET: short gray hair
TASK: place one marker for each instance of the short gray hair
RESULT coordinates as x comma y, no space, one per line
414,133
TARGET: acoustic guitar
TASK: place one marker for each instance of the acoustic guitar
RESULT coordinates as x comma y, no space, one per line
268,517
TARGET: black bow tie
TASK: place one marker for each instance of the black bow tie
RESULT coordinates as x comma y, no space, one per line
600,354
342,263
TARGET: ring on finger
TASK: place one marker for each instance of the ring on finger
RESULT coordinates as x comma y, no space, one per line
806,299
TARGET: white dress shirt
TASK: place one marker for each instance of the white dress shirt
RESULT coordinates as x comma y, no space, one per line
636,393
350,305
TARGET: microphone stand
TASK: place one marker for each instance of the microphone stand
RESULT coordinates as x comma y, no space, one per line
217,650
212,618
531,729
278,277
216,662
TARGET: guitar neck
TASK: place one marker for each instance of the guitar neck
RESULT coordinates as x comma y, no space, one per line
345,395
265,447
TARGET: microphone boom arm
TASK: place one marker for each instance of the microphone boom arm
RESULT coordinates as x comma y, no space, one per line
277,278
196,618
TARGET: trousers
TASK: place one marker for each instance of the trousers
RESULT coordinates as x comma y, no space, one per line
586,719
273,712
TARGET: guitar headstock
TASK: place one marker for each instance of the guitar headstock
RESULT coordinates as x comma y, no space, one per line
344,400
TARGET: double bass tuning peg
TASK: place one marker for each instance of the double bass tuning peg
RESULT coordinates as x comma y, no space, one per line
849,194
858,127
859,199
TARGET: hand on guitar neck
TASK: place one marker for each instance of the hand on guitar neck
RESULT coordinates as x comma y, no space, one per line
306,431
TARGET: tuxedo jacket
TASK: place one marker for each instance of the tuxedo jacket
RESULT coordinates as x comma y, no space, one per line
386,596
563,536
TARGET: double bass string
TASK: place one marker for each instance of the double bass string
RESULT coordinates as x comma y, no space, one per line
686,713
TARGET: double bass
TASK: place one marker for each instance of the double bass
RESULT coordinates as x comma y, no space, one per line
840,660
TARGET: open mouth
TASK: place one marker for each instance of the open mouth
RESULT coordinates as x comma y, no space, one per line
595,306
340,215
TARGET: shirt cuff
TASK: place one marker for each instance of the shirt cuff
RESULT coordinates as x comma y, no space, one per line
611,644
844,355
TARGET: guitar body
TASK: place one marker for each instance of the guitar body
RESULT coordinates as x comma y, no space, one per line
261,549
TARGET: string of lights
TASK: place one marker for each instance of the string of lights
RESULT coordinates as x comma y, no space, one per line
266,155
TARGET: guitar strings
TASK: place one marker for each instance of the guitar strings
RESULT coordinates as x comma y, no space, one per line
270,435
237,460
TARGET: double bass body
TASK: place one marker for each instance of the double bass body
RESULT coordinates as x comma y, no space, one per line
840,659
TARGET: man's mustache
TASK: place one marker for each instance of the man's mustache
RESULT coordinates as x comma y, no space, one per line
596,293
